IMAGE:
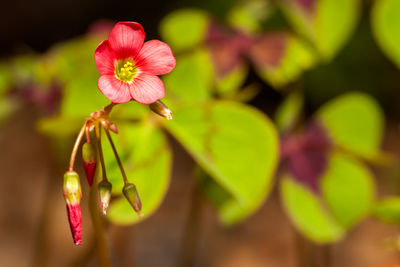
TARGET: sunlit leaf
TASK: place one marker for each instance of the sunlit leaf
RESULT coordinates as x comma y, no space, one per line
184,28
237,146
388,210
147,161
348,189
82,97
289,111
386,25
355,122
327,23
307,212
192,78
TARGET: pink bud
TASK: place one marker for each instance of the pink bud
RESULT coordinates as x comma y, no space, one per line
89,161
72,195
75,222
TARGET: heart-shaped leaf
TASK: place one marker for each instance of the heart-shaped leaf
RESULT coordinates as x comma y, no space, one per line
236,145
355,122
348,189
281,57
185,28
308,213
192,78
386,25
328,24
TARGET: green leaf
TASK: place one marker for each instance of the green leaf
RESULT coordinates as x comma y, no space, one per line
308,213
191,80
236,145
388,210
146,158
348,189
328,25
184,28
82,97
289,112
74,64
355,122
247,15
229,84
296,58
386,27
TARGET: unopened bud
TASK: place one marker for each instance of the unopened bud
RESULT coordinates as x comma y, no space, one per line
113,128
73,194
75,222
161,109
132,196
72,188
104,188
89,161
107,125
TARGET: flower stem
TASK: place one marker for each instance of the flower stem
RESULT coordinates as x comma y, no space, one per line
76,146
187,255
103,166
107,109
117,157
98,227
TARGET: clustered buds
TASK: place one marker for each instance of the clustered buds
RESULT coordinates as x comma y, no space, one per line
161,109
89,161
72,195
90,155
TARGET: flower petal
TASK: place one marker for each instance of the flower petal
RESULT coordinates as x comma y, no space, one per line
75,222
147,89
105,58
115,90
126,39
155,58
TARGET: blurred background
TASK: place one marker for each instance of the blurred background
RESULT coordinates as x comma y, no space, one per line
272,68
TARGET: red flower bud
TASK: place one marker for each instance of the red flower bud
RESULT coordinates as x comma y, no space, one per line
104,188
161,109
89,161
75,222
107,125
72,195
132,196
113,128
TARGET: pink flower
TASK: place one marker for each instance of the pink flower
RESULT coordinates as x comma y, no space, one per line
129,67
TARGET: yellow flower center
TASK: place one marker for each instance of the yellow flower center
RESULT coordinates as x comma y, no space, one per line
125,70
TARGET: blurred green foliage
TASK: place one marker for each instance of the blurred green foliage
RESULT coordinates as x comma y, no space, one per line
235,146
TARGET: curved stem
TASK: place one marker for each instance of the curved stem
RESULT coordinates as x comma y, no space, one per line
98,137
107,109
76,146
117,157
